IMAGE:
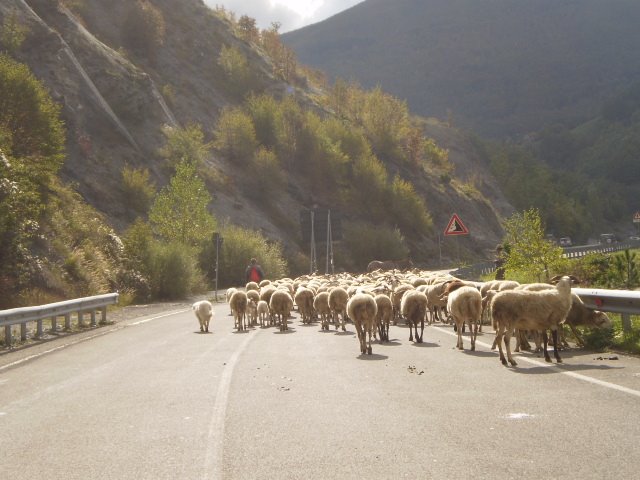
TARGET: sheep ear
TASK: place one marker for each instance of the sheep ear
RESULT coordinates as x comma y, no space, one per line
575,280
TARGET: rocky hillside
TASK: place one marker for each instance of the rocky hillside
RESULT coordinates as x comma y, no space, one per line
118,92
500,68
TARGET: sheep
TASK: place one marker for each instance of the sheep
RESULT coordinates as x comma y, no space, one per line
229,293
581,315
304,300
252,286
362,309
262,309
252,310
253,295
414,309
321,306
238,304
204,311
530,310
396,299
435,302
338,299
281,305
465,304
384,315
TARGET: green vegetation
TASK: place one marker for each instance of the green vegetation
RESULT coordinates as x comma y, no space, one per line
363,242
143,29
12,33
138,188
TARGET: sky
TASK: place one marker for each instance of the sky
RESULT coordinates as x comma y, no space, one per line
292,14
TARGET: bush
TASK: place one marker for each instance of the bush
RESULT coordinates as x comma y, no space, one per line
138,188
239,246
173,271
143,29
365,242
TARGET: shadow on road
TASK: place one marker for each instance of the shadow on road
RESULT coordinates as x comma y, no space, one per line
425,345
373,356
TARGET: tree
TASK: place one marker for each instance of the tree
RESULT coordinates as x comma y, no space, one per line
179,212
235,135
530,254
12,33
248,30
143,28
32,132
236,68
624,271
185,144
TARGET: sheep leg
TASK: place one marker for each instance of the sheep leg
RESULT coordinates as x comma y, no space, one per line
499,336
369,349
459,330
545,342
507,344
473,331
556,353
421,329
410,332
576,334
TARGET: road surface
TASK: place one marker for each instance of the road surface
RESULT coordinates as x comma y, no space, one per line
152,398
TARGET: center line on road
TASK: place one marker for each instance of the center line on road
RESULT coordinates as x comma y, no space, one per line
575,375
213,462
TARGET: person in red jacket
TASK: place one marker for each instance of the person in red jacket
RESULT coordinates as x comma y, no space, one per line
254,272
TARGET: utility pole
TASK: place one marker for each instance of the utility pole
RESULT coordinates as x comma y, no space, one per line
314,265
218,240
329,244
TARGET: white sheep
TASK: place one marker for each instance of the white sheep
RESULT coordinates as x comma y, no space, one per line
252,311
229,293
530,310
338,299
204,312
414,309
465,305
238,303
384,315
362,309
280,305
321,307
262,309
304,301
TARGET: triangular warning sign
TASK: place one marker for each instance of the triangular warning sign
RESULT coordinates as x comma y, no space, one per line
456,227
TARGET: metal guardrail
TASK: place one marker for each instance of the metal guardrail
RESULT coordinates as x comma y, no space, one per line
81,306
624,302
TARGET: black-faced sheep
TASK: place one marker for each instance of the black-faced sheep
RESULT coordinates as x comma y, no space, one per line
362,309
465,305
238,303
414,309
280,305
530,310
204,312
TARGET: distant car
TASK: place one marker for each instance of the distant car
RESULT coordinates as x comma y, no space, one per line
565,242
608,238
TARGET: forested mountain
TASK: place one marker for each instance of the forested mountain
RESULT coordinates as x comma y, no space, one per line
132,130
502,68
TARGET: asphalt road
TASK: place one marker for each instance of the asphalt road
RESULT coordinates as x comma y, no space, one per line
152,398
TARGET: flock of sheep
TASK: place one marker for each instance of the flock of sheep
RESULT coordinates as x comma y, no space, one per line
377,299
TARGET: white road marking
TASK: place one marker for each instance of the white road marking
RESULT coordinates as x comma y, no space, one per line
81,340
575,375
213,461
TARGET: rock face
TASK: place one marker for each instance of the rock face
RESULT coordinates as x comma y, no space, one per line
116,99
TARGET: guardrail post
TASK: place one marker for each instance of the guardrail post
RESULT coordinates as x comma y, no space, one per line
103,315
67,321
7,336
39,328
54,324
80,319
93,318
626,322
23,332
